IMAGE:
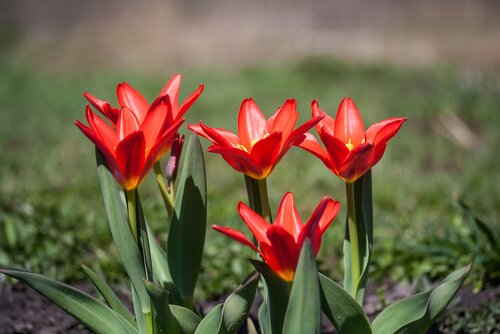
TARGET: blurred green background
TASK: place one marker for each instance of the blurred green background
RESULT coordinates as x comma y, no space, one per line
393,59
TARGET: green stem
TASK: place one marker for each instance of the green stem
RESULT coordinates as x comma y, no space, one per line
167,192
258,197
148,317
353,238
132,212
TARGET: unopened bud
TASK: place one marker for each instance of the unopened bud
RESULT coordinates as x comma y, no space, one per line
173,160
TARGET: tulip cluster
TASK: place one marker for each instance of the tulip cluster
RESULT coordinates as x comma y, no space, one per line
132,139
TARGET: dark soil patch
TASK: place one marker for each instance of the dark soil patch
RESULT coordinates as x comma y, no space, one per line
22,310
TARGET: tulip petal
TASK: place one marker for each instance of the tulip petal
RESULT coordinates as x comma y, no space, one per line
255,223
282,253
357,163
336,149
312,228
348,124
251,123
132,99
327,123
104,107
240,160
302,129
130,158
284,119
127,123
288,217
162,144
309,143
156,119
266,152
188,102
331,211
106,134
380,133
220,136
172,89
236,235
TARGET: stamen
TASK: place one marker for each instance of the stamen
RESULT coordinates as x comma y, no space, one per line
349,145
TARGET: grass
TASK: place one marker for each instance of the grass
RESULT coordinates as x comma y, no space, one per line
51,211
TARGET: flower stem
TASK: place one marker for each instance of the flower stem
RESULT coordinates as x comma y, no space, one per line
132,212
353,238
258,197
167,192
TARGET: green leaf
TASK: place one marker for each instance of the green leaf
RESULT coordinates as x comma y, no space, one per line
212,322
111,298
303,314
122,237
343,311
238,304
187,230
415,314
89,311
276,295
188,320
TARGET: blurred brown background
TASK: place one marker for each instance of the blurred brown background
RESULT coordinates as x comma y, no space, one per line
60,34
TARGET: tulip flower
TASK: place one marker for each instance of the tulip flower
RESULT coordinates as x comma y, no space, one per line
129,98
350,150
131,146
280,243
260,143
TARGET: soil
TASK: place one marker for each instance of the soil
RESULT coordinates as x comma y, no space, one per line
22,310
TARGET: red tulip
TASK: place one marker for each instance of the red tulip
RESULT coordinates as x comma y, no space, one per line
131,147
129,98
260,143
350,151
280,243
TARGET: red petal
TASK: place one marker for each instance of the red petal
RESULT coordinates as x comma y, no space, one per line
309,143
357,163
132,99
301,130
327,123
288,217
103,106
255,223
284,119
240,160
130,157
312,228
236,235
251,123
163,143
266,152
156,119
282,254
348,123
172,89
188,102
101,129
127,123
336,149
220,136
331,211
380,133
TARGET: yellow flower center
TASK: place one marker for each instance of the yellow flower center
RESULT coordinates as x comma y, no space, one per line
349,145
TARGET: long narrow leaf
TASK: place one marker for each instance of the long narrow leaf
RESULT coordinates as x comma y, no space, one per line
238,304
187,230
341,309
211,323
276,296
111,298
122,237
415,314
303,314
89,311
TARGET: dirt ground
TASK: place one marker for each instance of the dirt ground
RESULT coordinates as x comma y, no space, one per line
23,311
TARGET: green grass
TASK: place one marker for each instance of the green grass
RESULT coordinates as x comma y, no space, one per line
51,211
